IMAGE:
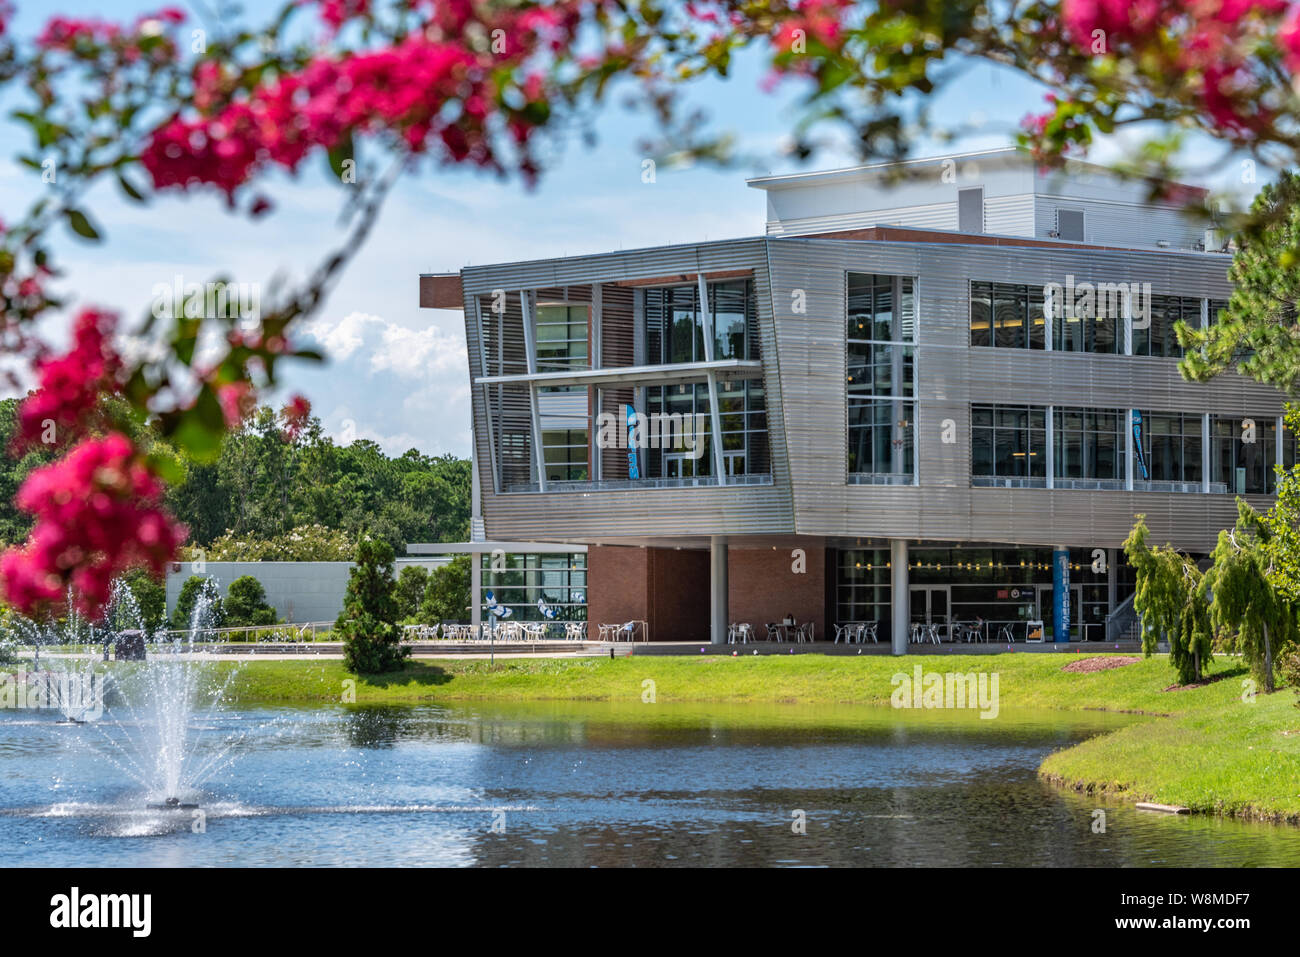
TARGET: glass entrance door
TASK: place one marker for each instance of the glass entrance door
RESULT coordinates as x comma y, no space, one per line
1045,610
930,607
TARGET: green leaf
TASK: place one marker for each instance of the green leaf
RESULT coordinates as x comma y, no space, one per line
130,190
341,153
80,224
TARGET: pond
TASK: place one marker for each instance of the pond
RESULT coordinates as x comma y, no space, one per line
593,785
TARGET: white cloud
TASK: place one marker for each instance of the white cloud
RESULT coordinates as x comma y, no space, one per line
390,346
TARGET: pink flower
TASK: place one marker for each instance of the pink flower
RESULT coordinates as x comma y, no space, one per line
70,384
97,514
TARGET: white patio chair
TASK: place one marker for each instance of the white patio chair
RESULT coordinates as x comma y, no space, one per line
867,630
773,631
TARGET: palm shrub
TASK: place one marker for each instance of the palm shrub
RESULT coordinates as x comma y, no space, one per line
368,623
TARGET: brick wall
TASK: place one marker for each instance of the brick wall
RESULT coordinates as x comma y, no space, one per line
667,588
761,587
670,588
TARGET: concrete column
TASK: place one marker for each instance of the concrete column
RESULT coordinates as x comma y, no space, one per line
475,558
1130,450
1205,452
900,597
718,611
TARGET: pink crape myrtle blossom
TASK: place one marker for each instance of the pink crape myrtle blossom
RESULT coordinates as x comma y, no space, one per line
70,384
98,513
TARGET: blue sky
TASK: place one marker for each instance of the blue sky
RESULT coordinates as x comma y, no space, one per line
398,374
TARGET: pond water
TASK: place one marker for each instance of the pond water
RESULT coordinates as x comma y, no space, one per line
594,785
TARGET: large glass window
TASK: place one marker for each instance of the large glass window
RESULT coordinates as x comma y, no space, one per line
880,377
561,337
1243,452
1170,447
881,443
1008,445
564,452
1159,338
1087,446
559,580
1088,320
675,323
1007,315
742,415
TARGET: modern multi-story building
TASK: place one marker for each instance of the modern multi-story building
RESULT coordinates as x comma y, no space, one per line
939,391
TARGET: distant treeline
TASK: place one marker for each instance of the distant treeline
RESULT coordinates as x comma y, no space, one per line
269,482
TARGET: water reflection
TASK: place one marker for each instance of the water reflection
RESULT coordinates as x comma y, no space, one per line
605,785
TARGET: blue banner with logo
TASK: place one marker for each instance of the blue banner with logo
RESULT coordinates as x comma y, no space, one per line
1060,594
633,458
1137,444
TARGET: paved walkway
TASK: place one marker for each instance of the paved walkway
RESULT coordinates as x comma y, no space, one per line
593,649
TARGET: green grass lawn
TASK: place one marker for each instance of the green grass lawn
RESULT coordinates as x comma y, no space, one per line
1024,681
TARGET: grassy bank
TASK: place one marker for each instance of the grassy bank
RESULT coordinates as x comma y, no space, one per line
1024,681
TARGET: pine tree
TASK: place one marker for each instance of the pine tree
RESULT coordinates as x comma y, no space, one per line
368,622
1171,601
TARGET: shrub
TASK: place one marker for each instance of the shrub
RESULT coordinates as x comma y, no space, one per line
447,596
306,543
368,623
246,604
150,597
1290,668
411,583
194,586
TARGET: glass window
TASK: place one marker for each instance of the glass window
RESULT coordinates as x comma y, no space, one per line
881,438
1088,444
1159,337
1088,318
561,337
1007,315
1243,452
1009,442
880,308
1169,444
675,323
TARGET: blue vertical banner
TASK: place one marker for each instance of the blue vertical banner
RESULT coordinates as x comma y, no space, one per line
1137,444
633,456
1060,594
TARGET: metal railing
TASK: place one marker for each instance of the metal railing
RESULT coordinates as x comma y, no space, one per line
293,631
624,485
1120,622
881,478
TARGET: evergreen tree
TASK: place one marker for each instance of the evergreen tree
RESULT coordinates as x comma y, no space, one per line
368,622
447,596
1257,332
1255,615
411,584
1171,602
